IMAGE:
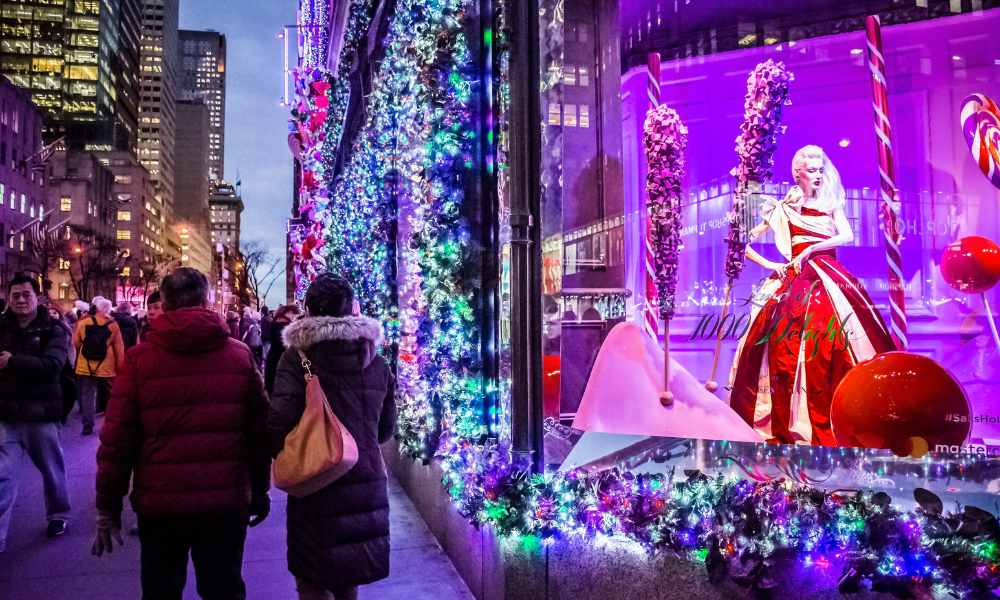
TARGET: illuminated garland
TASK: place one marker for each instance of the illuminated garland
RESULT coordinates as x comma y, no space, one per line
359,17
307,137
742,530
414,150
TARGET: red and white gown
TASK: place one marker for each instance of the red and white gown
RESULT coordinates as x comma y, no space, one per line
806,332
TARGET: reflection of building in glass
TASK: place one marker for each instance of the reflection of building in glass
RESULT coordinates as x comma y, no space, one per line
80,61
202,61
688,29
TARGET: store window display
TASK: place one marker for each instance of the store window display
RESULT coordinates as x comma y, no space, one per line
821,293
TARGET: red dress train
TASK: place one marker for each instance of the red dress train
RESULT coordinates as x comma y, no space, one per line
806,332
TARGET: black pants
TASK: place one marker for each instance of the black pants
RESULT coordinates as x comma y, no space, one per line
216,546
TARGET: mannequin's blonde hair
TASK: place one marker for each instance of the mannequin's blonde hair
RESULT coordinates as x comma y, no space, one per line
831,193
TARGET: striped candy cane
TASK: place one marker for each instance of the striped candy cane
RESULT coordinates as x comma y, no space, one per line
652,326
887,176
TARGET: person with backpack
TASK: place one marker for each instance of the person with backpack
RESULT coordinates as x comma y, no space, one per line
338,536
34,350
100,350
187,424
127,324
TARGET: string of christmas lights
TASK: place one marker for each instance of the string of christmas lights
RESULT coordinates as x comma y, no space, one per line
747,531
415,150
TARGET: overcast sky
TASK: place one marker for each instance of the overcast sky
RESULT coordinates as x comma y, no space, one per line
256,125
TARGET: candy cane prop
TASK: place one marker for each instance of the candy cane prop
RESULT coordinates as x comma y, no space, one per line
981,124
650,323
887,176
767,93
665,139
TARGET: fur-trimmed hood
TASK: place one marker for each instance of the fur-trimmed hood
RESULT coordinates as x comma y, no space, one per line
309,331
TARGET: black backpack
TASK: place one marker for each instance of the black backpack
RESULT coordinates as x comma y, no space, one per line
95,340
129,328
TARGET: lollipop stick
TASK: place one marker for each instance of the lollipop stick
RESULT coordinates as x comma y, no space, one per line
712,385
667,397
993,323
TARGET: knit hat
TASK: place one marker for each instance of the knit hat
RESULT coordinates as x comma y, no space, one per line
329,296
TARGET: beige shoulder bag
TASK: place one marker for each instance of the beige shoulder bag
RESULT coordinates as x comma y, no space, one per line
319,450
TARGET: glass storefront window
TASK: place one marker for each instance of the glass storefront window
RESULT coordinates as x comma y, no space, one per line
603,363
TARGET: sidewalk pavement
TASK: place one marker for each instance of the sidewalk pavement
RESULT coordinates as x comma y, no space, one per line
36,568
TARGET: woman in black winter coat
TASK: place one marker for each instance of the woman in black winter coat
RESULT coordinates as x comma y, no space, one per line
338,538
281,318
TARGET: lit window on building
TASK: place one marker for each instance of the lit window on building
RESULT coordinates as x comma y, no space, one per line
124,234
66,204
569,115
124,215
555,118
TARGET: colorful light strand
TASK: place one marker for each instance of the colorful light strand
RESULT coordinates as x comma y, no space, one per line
742,530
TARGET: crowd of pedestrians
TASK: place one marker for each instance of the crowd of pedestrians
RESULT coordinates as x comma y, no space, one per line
197,405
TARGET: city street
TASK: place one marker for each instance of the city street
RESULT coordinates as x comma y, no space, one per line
62,569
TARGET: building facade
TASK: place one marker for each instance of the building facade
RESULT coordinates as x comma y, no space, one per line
79,61
192,164
226,210
81,194
191,202
139,227
22,191
202,67
157,107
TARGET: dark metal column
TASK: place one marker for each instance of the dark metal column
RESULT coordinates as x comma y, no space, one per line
525,178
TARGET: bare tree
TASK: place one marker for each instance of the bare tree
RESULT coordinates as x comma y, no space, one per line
260,271
95,263
46,246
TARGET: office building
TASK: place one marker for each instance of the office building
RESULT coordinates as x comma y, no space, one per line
80,62
80,192
202,65
157,106
225,210
191,214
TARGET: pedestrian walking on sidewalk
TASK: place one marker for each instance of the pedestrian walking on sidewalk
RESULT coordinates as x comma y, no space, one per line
252,338
154,308
127,324
34,350
338,537
100,351
187,420
283,315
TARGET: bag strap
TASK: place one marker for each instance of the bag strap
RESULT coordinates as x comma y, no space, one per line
306,365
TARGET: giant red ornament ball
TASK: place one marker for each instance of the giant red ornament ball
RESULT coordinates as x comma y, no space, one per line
971,264
901,401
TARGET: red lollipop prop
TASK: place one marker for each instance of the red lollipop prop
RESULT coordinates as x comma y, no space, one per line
972,265
901,401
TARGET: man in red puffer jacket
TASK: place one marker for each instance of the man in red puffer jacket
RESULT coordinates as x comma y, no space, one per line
187,422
